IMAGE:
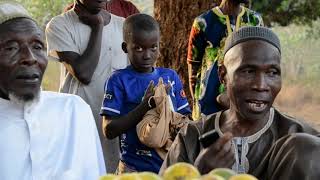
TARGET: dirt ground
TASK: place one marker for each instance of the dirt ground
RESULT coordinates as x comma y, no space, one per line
296,101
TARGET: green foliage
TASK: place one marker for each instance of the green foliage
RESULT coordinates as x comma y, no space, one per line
44,10
285,12
314,30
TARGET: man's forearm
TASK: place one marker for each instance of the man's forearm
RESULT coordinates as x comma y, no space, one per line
84,65
192,75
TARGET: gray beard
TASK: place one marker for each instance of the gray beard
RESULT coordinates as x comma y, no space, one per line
24,100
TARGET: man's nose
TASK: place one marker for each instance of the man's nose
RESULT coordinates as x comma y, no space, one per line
27,56
260,83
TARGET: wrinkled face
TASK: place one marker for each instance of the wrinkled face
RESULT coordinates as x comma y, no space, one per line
94,6
252,78
22,59
143,50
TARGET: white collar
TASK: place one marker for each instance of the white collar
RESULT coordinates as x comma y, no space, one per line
251,138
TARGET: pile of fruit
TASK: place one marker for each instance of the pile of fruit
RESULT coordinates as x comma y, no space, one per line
182,171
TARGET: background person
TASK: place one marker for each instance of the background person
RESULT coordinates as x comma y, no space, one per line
129,90
87,40
206,42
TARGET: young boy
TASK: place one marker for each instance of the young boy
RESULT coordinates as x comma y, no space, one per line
129,94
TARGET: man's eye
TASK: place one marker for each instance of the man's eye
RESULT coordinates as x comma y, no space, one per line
248,71
10,49
139,49
273,72
38,47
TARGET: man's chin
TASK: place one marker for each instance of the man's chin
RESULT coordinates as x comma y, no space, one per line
255,115
95,10
25,98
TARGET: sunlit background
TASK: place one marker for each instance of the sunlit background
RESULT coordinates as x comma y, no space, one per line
300,95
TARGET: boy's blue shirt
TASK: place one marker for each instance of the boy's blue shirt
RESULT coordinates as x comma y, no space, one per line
124,92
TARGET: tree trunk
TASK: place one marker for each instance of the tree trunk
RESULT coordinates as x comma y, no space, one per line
176,18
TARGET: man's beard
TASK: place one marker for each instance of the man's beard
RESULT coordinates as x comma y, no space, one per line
25,99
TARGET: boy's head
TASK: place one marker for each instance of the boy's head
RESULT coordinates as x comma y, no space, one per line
141,35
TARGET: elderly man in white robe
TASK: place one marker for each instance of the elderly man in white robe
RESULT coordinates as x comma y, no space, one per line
43,135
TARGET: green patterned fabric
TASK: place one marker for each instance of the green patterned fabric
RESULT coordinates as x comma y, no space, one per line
205,51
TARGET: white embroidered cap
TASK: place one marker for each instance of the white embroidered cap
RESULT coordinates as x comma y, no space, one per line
10,10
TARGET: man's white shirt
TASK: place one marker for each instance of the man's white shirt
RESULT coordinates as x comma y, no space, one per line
53,139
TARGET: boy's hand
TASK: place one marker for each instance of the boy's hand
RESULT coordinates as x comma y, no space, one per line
218,155
92,20
149,93
168,88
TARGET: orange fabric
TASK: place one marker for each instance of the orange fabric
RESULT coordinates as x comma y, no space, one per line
160,125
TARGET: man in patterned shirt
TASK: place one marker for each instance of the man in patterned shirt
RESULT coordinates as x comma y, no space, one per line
206,40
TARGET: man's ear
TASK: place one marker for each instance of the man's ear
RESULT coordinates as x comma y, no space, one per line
124,47
222,72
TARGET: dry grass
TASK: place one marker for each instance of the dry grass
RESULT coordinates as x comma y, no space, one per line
298,101
51,79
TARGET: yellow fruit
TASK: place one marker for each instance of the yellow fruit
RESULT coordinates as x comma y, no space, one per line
128,176
223,172
211,177
108,177
149,176
243,177
181,171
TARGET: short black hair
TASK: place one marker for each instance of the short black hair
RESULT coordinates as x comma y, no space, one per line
139,22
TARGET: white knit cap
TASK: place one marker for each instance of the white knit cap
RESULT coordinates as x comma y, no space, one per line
10,10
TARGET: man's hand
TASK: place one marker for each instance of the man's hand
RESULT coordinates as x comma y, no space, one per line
92,20
218,155
192,85
168,88
192,78
223,100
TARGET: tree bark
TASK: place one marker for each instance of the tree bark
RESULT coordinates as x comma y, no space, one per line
175,18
